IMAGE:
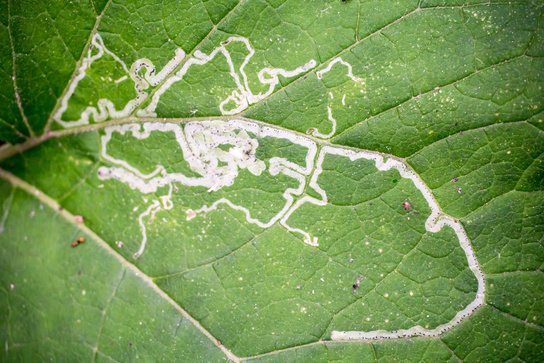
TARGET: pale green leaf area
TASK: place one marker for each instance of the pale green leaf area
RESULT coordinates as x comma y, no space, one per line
275,181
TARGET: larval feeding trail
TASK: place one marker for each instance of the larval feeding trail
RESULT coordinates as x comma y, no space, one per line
216,152
106,108
242,97
200,143
314,131
434,223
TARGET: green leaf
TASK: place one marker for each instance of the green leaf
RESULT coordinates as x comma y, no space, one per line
272,181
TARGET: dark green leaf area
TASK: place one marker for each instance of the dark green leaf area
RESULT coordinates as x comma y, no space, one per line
468,170
507,233
79,303
519,294
508,92
493,336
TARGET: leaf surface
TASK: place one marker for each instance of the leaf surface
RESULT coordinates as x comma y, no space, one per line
272,181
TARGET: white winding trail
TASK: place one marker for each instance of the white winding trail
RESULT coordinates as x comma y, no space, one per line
106,107
216,167
242,97
200,143
435,222
313,131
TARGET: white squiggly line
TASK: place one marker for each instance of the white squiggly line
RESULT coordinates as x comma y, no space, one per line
200,143
242,96
106,107
200,147
434,223
321,72
315,132
205,136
